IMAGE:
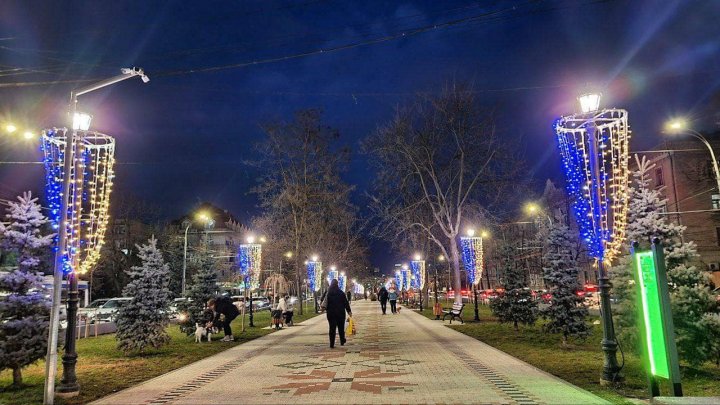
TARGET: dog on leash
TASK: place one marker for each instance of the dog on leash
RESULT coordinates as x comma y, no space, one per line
201,331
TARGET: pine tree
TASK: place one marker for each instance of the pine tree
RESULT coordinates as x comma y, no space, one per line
143,321
689,286
567,311
203,288
516,304
24,310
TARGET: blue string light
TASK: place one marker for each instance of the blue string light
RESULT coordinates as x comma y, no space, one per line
314,275
249,261
472,255
417,267
596,171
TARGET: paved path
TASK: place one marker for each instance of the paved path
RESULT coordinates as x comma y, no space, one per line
404,358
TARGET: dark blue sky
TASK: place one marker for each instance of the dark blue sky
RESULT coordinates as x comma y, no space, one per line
187,134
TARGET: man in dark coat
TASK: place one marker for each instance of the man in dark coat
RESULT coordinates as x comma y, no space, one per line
383,298
336,305
224,306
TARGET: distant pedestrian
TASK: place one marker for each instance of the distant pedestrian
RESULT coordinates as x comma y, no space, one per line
393,296
225,307
349,295
383,298
336,303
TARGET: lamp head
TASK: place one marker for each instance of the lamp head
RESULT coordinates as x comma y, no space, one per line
484,234
532,208
441,258
471,232
10,128
417,257
676,125
251,239
81,121
289,255
589,102
314,258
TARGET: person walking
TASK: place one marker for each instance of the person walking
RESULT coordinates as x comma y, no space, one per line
225,307
393,296
335,304
383,298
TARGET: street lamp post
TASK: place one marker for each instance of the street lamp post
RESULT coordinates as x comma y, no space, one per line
206,219
69,386
679,126
595,149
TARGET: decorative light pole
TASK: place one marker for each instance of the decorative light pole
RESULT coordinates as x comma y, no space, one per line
419,275
471,247
67,178
594,146
250,263
314,276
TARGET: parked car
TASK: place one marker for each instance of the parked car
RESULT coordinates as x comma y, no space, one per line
103,310
259,303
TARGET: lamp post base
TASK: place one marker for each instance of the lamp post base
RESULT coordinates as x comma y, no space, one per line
611,368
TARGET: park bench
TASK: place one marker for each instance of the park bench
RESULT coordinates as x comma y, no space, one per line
454,313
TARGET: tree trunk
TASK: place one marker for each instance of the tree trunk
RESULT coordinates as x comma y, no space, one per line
17,377
457,285
297,278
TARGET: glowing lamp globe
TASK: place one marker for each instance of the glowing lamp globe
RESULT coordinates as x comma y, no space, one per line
81,121
589,102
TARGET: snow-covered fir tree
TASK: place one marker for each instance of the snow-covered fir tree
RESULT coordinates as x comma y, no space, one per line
690,293
567,311
516,304
24,310
203,287
143,321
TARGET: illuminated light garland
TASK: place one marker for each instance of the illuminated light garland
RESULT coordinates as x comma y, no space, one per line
91,180
342,281
314,275
332,275
250,264
407,278
602,223
417,268
399,279
472,256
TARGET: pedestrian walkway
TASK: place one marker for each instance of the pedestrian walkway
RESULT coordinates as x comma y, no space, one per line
403,358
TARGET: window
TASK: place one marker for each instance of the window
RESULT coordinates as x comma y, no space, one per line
659,180
715,200
717,234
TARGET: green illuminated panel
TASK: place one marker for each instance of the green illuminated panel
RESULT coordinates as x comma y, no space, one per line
652,313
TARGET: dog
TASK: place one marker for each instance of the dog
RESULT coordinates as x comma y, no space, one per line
201,331
398,309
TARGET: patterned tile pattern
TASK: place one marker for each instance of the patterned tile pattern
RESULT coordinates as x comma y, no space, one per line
402,358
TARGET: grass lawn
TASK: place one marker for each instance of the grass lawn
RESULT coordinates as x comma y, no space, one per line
582,362
102,369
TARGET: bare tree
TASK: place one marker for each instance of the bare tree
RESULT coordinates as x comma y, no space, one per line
440,161
307,208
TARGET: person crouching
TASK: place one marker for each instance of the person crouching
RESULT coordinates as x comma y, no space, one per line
225,307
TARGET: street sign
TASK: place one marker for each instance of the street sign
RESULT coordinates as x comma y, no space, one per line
656,324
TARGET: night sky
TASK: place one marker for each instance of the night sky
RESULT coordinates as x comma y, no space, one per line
184,137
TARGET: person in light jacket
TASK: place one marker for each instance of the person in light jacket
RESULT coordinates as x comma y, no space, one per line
393,296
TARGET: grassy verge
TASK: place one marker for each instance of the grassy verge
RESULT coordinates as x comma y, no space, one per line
581,363
102,369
